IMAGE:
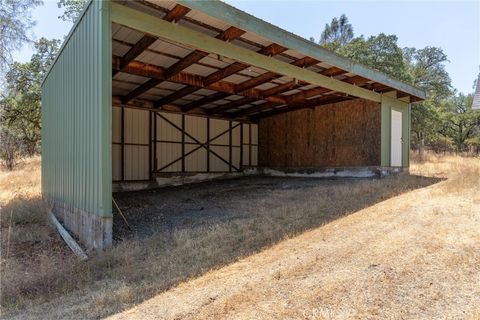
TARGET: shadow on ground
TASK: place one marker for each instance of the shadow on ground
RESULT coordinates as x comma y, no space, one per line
179,233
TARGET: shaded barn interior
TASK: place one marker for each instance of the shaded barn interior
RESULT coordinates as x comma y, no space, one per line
179,110
146,93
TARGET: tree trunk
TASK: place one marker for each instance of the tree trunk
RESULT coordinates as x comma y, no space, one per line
421,148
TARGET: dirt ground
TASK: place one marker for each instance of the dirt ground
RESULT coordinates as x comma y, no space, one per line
415,256
196,205
404,247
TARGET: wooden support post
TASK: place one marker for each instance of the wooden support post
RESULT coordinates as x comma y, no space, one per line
155,160
150,137
250,144
230,146
183,142
122,144
208,144
241,146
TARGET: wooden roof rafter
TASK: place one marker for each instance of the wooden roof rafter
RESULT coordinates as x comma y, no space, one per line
192,58
235,17
305,94
173,15
192,82
323,75
313,104
218,75
265,95
251,83
302,96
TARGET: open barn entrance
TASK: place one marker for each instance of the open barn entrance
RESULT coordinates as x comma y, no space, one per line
183,112
147,92
182,115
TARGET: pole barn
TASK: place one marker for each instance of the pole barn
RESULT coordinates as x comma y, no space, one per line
145,93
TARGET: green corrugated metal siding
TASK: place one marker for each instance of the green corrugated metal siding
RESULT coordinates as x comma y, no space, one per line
76,117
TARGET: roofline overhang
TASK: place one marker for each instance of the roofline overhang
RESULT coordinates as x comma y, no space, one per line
242,20
248,22
196,40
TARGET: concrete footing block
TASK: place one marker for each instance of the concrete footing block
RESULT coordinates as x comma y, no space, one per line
93,231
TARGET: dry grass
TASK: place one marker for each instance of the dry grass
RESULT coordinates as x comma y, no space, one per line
24,181
375,263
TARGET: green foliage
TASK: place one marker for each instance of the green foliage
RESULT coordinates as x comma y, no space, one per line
15,24
426,120
72,9
379,52
459,121
20,107
427,71
336,34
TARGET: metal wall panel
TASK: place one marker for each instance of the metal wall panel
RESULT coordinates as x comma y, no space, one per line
136,162
196,161
217,165
136,139
178,135
196,127
116,163
76,117
136,152
168,153
116,125
218,126
250,144
196,132
136,126
167,132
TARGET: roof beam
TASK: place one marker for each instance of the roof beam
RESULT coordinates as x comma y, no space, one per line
333,72
197,82
291,99
319,102
236,17
193,57
303,94
196,55
173,15
304,62
235,67
140,90
135,51
177,13
175,96
231,105
206,100
266,94
228,71
177,33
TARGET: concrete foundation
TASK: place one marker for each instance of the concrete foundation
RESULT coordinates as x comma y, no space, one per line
93,231
313,172
333,172
179,179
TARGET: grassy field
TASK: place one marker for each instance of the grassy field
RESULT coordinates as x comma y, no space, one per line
408,248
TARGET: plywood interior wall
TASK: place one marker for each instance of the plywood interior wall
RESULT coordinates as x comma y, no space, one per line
343,134
166,143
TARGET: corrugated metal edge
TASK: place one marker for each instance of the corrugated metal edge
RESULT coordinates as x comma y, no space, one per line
106,111
69,35
236,17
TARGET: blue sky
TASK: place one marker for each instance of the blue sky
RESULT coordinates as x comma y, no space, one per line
452,25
